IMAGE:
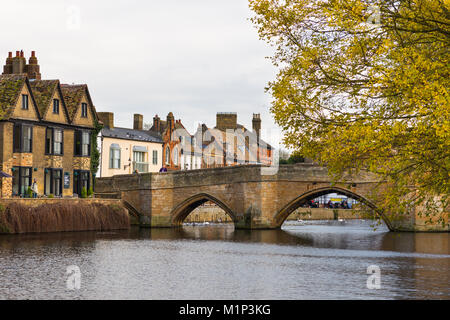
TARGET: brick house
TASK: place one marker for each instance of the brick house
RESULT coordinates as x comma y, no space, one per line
178,153
230,143
45,131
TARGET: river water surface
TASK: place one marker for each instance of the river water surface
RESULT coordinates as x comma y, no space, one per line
311,260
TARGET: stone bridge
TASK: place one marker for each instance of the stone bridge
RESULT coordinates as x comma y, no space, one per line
253,200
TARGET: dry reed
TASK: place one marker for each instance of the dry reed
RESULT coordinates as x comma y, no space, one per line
62,216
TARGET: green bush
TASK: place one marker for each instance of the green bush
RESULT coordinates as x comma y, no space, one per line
296,158
51,196
30,192
90,192
83,193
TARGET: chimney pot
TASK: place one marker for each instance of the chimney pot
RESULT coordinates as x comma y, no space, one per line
21,53
33,53
17,53
10,54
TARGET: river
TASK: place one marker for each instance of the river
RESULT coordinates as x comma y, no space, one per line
303,260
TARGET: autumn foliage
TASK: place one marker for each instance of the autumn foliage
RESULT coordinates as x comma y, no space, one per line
363,85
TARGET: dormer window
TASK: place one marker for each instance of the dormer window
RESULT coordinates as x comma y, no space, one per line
84,111
56,106
25,102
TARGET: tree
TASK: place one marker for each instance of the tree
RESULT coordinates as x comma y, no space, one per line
363,85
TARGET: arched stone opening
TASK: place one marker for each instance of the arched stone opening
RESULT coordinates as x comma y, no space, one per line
294,204
181,211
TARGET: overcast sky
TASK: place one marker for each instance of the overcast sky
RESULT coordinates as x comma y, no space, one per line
194,58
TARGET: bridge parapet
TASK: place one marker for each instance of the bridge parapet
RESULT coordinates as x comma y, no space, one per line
252,199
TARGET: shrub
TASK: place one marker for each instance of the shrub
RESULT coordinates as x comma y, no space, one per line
30,192
51,196
90,192
83,193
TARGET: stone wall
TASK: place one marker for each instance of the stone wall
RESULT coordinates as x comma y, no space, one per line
38,160
211,213
252,197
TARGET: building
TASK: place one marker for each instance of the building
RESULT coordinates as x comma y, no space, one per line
178,151
45,131
125,151
230,143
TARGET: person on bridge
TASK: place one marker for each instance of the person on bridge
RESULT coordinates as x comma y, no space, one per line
163,169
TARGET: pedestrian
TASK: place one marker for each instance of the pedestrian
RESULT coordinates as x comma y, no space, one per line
163,169
34,188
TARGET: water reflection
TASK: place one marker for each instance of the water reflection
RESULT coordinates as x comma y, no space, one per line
316,260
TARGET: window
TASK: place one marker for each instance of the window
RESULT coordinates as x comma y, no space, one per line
25,101
167,155
139,163
82,143
138,156
56,106
175,156
22,138
54,141
21,180
84,110
53,182
155,156
114,156
80,180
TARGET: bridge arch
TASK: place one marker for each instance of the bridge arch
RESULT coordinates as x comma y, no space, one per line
182,210
294,204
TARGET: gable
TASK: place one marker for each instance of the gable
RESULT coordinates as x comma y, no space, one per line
78,119
49,115
28,114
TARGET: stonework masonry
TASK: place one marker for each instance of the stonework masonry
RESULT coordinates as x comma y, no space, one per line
252,199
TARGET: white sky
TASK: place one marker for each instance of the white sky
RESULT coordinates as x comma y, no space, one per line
194,58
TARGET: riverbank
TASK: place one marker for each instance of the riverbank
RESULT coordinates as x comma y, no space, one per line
55,215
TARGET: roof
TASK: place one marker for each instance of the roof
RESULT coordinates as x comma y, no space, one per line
131,134
164,125
43,91
72,96
260,141
10,87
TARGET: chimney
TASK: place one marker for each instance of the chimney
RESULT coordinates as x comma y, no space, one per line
256,123
7,68
138,121
226,120
156,123
33,69
19,63
170,120
107,118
